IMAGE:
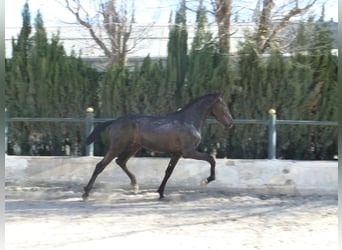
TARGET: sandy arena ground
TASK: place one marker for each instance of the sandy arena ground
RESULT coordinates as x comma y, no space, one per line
52,216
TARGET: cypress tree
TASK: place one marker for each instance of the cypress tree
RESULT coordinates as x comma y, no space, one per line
22,46
16,67
38,68
201,58
17,77
56,85
148,81
177,58
314,73
293,139
322,101
115,92
248,102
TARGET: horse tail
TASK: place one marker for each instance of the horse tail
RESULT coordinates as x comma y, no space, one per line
97,131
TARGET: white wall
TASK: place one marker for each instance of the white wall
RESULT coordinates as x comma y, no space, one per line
260,176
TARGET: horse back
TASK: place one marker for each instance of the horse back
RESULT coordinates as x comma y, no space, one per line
159,134
165,134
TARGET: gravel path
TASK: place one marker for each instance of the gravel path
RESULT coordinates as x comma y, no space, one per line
52,216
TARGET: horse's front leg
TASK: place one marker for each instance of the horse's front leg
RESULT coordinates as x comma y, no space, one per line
205,157
168,172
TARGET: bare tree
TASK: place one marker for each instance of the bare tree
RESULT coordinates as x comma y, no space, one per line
223,11
109,23
272,20
270,16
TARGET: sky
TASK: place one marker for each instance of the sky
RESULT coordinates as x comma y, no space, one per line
54,13
55,16
148,11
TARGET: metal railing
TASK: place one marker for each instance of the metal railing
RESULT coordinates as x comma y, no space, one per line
89,120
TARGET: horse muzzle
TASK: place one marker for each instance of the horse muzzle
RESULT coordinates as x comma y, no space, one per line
229,124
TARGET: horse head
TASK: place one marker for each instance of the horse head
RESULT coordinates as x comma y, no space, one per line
221,112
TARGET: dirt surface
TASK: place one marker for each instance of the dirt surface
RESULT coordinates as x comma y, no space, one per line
53,216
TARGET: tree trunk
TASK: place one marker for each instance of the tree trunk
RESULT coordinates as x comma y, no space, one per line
222,17
265,24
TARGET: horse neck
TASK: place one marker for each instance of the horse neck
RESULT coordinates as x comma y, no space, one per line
197,113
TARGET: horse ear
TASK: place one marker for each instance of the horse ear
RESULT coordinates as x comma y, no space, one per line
215,94
218,94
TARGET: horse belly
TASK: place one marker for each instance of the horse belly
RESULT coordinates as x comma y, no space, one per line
169,139
161,142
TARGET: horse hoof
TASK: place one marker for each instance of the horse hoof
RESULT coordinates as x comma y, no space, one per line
204,182
161,194
85,197
135,188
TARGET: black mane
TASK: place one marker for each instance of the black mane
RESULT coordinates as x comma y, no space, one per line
199,99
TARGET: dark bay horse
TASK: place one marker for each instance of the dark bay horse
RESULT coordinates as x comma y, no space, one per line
177,133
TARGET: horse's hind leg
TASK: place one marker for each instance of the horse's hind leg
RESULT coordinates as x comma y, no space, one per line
99,168
122,160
